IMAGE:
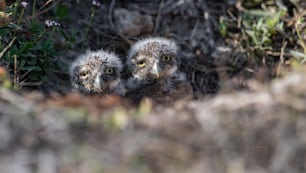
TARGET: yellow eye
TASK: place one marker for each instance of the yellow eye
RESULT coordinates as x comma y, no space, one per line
109,70
167,58
84,74
141,63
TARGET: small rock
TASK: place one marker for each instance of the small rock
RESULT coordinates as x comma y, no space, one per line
132,23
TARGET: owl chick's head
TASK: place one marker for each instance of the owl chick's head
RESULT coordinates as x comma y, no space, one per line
152,58
96,72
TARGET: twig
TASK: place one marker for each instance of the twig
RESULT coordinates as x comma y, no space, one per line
110,20
233,17
239,5
283,51
7,47
89,24
25,74
158,16
110,14
296,26
194,29
34,7
30,84
276,53
45,10
15,70
281,58
125,38
45,4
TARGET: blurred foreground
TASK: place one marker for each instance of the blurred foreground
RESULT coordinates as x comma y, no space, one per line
263,130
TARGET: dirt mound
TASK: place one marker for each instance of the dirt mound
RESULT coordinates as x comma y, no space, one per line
254,131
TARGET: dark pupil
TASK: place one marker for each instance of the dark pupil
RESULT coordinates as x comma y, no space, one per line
141,62
167,58
83,73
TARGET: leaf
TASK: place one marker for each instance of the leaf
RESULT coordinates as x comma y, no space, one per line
32,68
62,65
259,24
63,33
22,64
25,46
61,11
34,77
37,46
297,54
257,13
13,51
222,27
47,46
14,26
5,33
36,27
29,55
32,61
272,21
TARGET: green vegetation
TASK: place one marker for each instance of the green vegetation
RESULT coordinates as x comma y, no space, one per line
270,31
28,42
30,50
33,38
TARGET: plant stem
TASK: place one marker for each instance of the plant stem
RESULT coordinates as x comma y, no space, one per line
33,7
15,71
92,15
20,17
7,47
15,8
50,35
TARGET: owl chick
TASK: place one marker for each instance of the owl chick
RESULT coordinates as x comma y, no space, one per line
97,72
153,64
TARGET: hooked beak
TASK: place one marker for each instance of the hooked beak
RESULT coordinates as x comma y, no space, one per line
97,84
155,71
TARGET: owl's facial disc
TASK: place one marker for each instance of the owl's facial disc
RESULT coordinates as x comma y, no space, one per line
163,67
108,78
81,79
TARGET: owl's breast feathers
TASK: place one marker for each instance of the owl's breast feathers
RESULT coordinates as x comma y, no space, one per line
168,90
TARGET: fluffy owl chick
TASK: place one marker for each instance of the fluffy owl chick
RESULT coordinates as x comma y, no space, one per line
97,72
153,64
